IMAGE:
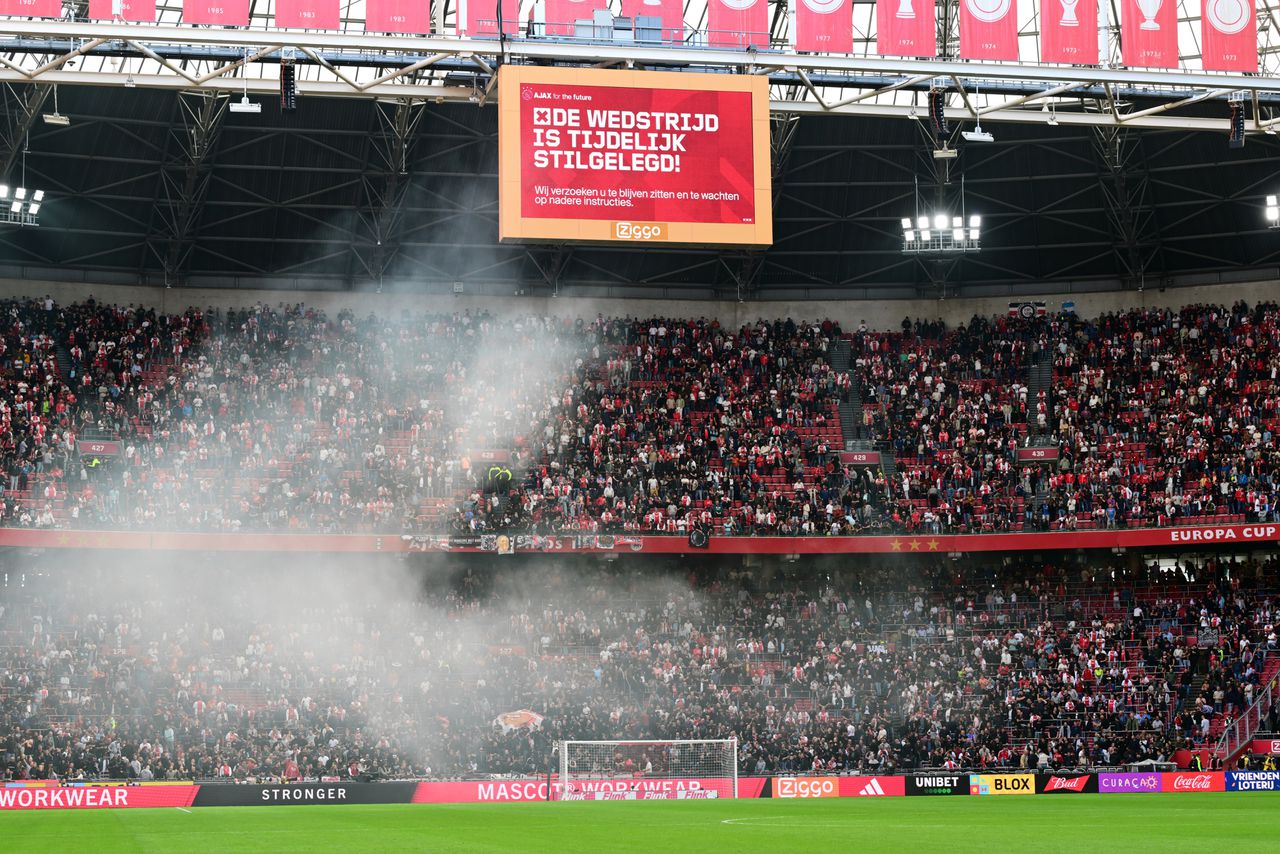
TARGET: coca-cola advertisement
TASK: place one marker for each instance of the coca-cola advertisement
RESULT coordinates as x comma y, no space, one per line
1131,783
1193,781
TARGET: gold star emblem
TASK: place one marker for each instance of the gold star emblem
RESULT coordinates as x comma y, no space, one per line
896,545
63,539
100,540
933,545
81,540
915,545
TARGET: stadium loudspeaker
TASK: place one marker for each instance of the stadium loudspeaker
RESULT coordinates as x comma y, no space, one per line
288,88
699,539
1236,140
938,113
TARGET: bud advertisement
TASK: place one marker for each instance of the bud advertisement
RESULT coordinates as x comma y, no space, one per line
633,157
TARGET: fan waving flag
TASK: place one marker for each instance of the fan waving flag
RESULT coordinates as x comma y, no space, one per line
1149,33
1229,35
738,23
906,28
988,29
140,11
1069,31
822,26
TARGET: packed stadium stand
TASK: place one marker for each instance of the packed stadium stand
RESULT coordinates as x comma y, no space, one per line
1028,662
282,418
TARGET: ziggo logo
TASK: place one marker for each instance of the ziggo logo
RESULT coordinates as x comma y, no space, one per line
805,787
640,230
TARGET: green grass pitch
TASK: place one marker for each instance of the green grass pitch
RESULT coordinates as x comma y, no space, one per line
994,825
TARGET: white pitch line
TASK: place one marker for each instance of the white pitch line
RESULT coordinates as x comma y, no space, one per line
183,809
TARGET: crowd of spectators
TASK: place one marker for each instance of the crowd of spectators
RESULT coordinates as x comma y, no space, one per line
285,419
304,672
1160,417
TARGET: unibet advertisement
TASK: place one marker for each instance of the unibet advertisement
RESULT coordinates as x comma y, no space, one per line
633,157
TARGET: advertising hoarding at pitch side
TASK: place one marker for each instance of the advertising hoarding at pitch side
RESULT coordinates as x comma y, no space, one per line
1002,784
644,157
940,783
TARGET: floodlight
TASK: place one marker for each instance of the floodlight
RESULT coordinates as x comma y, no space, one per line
975,221
16,207
4,191
940,221
37,196
926,235
957,235
244,105
906,223
909,235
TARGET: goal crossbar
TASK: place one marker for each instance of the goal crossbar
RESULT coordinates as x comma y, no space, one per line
648,769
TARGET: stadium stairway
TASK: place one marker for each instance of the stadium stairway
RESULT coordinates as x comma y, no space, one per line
1040,381
62,356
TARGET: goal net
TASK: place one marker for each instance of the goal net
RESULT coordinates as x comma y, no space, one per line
647,770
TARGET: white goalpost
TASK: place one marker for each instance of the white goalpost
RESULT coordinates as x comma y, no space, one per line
646,770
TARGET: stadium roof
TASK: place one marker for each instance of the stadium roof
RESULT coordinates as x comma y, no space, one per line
386,173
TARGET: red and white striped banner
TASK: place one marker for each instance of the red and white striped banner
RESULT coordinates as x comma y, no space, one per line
1229,35
906,28
738,23
822,26
141,11
480,17
988,29
226,13
1069,31
307,14
670,12
1149,33
557,17
411,17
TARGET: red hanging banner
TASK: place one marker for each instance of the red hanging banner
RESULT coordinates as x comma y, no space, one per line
738,23
307,14
988,29
480,17
225,13
33,8
1069,31
1229,35
410,17
1149,33
906,28
670,12
558,17
822,26
138,11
